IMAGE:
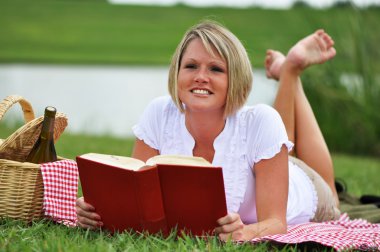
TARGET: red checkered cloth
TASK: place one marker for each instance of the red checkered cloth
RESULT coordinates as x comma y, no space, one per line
343,234
60,180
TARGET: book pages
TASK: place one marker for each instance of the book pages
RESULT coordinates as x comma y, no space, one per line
178,160
118,161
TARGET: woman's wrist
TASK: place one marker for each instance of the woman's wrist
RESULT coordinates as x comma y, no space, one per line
266,227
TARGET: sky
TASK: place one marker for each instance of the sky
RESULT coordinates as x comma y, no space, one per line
244,3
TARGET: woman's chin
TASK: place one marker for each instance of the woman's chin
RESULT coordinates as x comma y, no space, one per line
206,109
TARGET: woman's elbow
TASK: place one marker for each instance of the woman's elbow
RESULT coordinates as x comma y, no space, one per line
283,228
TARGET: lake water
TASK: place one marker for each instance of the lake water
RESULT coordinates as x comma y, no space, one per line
98,99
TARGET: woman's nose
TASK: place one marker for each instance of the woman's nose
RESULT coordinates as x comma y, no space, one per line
202,76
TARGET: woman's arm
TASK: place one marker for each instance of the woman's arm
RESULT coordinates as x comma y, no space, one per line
272,185
271,202
143,151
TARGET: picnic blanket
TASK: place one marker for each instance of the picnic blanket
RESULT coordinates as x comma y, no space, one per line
61,184
343,234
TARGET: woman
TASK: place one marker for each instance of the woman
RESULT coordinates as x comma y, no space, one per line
209,81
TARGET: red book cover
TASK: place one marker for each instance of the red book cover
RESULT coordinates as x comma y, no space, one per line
154,199
194,197
125,199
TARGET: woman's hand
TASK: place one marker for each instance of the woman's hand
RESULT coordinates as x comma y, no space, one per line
232,228
87,218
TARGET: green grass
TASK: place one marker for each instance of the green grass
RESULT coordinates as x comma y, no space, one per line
360,173
47,236
96,32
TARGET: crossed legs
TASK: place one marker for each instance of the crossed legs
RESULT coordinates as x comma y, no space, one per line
293,105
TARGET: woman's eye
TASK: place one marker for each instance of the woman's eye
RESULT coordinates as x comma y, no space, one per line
191,66
217,69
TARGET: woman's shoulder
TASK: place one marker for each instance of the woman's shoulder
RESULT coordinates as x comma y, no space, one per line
258,119
257,112
162,101
161,104
154,121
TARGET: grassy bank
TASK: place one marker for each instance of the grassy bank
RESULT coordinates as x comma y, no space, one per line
45,236
91,32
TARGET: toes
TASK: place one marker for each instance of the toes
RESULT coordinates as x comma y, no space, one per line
268,58
319,31
332,52
325,38
273,63
326,43
329,41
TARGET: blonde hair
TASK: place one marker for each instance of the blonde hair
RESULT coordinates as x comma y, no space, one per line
230,49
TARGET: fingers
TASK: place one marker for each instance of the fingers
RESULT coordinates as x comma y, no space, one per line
87,218
229,218
84,205
235,236
86,224
230,227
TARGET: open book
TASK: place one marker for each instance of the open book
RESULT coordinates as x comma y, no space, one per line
186,193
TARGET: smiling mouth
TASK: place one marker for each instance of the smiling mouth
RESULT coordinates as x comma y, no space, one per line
201,91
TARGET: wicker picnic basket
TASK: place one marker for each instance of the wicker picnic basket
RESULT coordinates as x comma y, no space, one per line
21,185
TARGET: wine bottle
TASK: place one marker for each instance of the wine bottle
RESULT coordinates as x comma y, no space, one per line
43,150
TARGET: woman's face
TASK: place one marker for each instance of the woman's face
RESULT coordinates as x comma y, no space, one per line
202,79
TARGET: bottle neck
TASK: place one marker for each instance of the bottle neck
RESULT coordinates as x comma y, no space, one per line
47,128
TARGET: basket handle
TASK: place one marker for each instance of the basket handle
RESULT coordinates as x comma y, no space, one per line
25,106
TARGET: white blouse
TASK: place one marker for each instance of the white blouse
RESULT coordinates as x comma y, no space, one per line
250,135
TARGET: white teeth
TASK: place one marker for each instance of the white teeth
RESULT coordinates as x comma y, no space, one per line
200,91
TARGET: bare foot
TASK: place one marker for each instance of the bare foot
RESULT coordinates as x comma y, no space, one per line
273,64
316,48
